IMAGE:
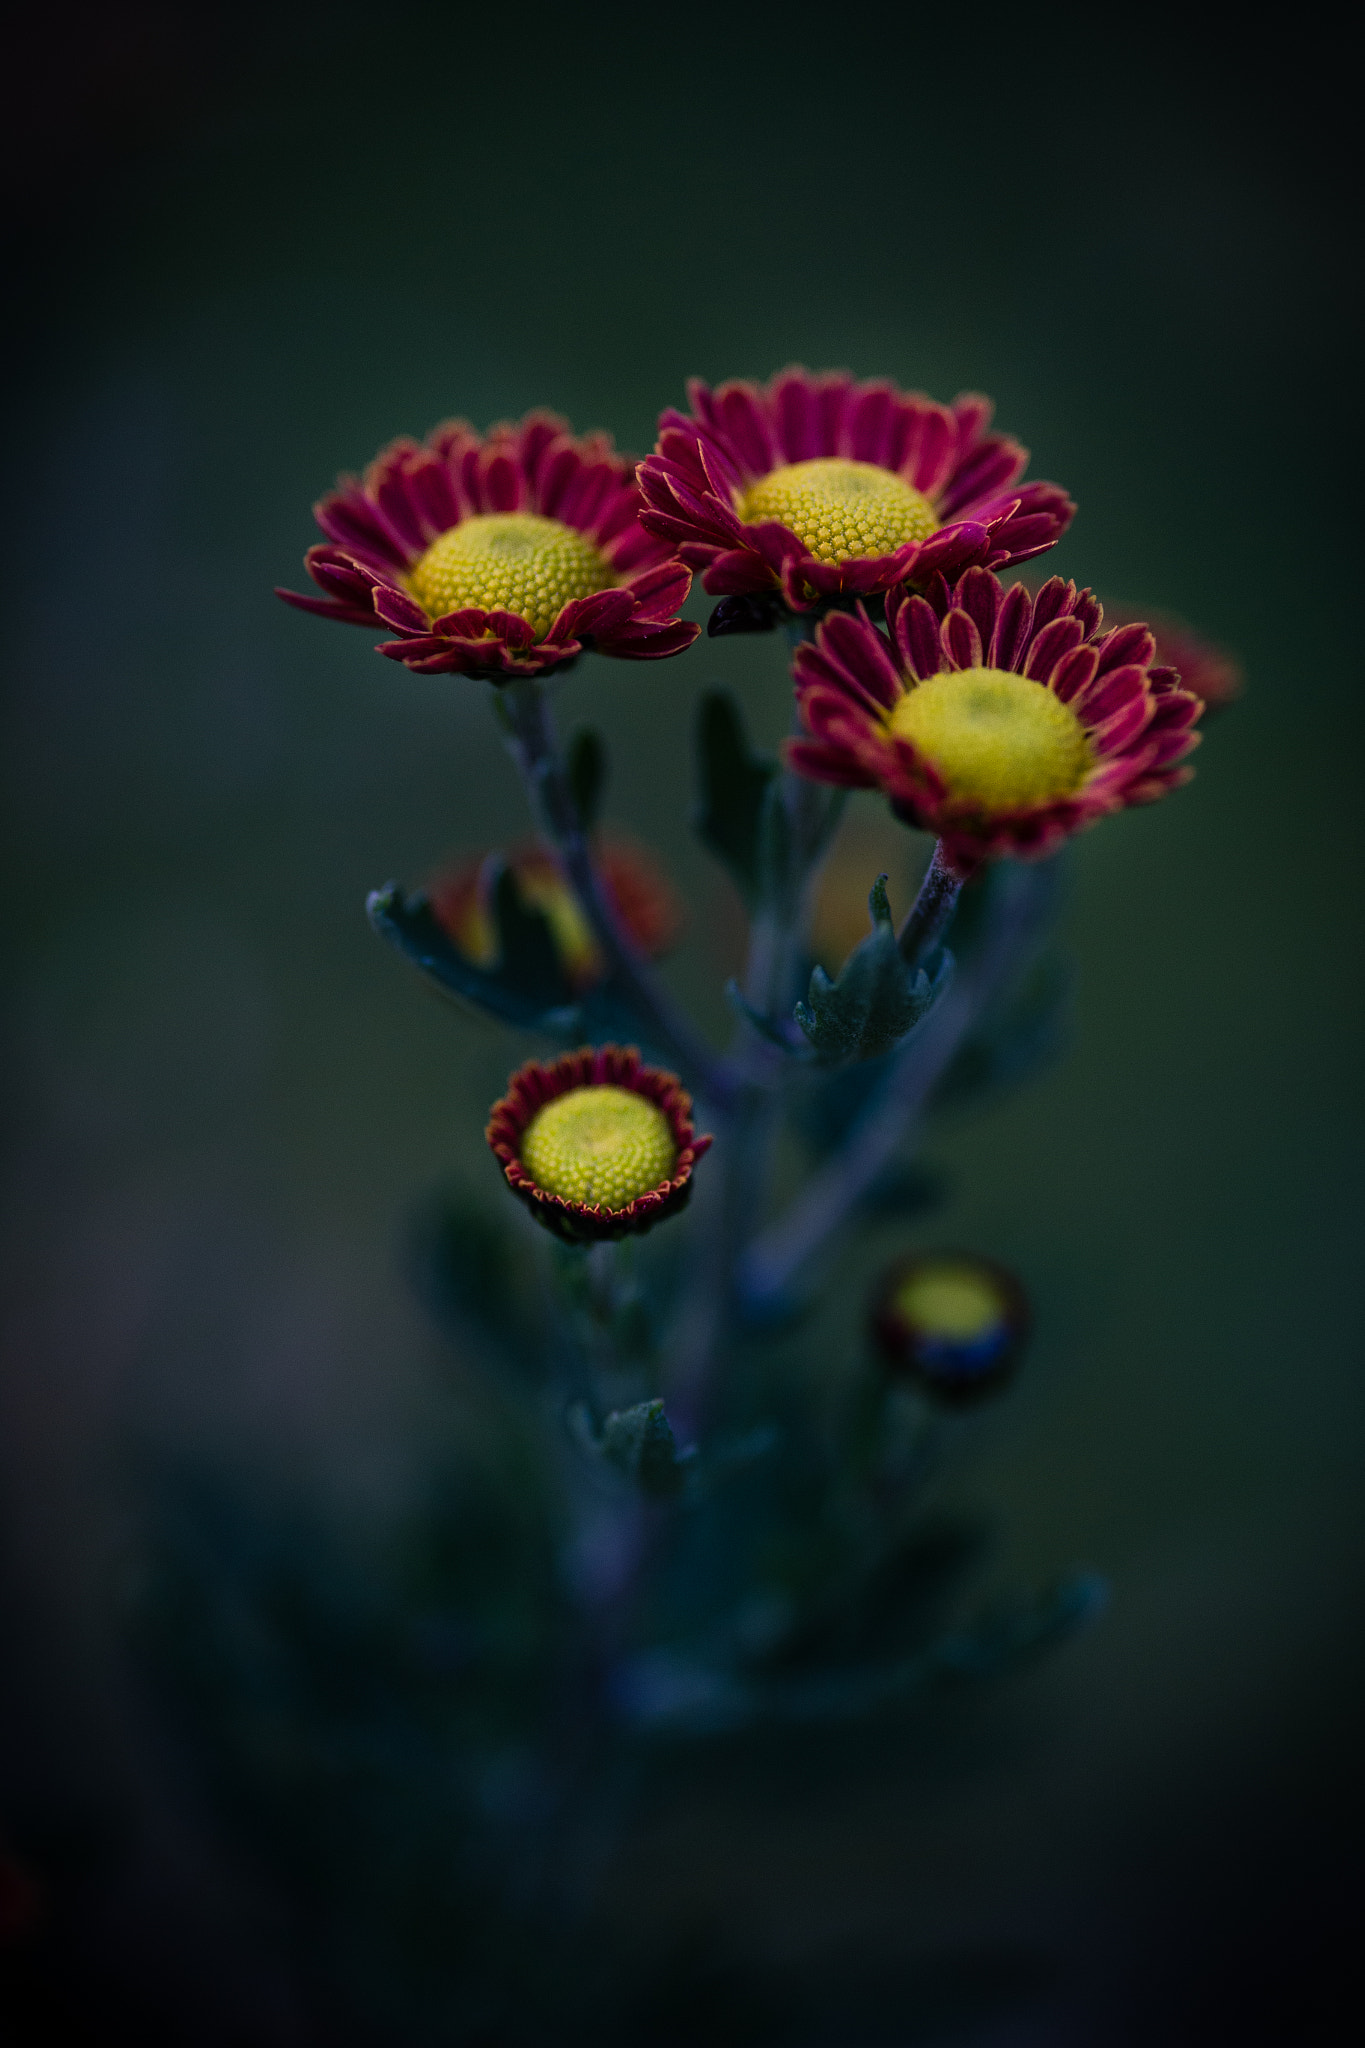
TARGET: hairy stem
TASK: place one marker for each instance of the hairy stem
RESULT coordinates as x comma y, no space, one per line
525,713
933,908
779,1254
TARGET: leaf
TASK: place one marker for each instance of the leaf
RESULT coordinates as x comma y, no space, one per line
527,987
586,767
640,1441
733,784
774,864
907,1188
465,1262
528,958
877,999
742,1007
1017,1037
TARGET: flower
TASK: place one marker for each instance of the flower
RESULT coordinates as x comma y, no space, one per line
503,555
461,902
1001,722
818,488
955,1322
1211,672
596,1144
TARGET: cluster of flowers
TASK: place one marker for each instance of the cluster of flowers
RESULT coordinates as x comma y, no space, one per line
1001,717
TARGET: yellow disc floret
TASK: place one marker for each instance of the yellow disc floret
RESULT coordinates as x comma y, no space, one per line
509,561
599,1144
1000,742
840,509
951,1299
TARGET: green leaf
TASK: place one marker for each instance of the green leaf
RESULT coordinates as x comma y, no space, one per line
526,987
876,1000
742,1007
471,1271
586,767
640,1441
1018,1036
733,784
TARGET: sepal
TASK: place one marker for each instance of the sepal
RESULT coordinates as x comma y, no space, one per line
876,999
747,612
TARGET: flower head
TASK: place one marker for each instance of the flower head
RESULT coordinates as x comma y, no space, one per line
596,1144
461,902
954,1322
1211,672
1001,722
817,487
498,555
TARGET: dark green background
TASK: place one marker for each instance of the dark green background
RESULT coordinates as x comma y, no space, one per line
249,248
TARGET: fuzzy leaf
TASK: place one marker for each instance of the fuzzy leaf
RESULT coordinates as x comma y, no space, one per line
1017,1037
733,784
466,1263
876,1000
640,1441
586,766
786,1041
528,985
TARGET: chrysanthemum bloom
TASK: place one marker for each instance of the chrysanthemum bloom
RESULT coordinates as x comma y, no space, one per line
952,1321
596,1144
816,488
500,555
1212,673
462,903
999,721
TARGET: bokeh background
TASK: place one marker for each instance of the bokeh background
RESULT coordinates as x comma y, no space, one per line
247,245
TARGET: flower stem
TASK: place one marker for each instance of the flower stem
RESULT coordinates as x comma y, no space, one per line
524,710
933,908
779,1254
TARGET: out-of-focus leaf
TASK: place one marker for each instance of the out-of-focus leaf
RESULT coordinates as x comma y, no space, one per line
907,1188
735,997
640,1441
877,999
528,985
733,784
468,1267
586,765
1018,1037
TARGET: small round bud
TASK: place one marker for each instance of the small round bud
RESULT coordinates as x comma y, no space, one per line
954,1322
596,1144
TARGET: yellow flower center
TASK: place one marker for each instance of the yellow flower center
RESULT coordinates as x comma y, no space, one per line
599,1144
509,561
542,887
952,1300
998,740
840,509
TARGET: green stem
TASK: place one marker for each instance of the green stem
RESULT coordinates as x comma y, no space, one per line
933,908
524,710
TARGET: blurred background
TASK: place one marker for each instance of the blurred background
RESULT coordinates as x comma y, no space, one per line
246,247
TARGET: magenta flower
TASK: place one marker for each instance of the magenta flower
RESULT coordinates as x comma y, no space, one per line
1001,722
1210,671
597,1145
499,555
817,487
